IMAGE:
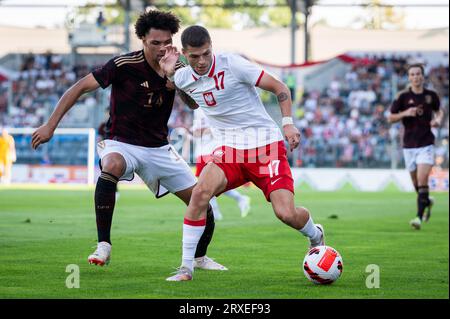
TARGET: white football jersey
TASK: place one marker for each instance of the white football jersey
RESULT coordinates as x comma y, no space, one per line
204,144
228,96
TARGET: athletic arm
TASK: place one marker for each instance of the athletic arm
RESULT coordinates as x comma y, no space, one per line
187,99
44,133
283,94
437,118
168,64
395,117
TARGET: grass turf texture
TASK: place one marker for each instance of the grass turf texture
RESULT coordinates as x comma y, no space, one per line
42,231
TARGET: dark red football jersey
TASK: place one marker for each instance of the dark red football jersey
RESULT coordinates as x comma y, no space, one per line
140,102
417,129
101,131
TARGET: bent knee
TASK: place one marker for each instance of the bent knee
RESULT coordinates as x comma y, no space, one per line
114,165
201,195
286,215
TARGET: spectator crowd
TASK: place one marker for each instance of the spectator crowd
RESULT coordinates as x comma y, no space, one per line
37,87
343,125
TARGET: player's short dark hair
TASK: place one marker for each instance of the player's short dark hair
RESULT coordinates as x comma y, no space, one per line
155,19
416,65
195,36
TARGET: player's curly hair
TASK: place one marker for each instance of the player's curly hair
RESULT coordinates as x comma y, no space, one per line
157,20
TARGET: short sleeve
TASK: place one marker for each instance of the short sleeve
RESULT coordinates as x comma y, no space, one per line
244,70
179,77
436,102
178,66
396,104
106,74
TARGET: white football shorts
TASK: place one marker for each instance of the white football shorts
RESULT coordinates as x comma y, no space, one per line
162,169
420,155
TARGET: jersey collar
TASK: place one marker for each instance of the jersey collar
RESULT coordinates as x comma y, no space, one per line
209,74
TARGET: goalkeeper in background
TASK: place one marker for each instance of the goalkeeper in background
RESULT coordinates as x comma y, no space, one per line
7,156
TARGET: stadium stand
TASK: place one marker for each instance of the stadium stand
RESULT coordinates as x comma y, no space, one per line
342,121
345,125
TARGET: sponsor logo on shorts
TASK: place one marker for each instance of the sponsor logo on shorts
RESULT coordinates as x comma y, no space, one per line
273,182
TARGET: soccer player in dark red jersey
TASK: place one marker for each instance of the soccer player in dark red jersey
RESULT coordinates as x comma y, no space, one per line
136,133
419,110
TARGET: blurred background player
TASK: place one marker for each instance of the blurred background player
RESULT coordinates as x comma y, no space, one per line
251,145
7,156
136,132
204,146
419,110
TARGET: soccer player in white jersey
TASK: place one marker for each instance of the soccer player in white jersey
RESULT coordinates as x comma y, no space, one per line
204,145
251,144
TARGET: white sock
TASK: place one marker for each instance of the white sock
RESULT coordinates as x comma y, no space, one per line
234,194
215,207
192,231
311,231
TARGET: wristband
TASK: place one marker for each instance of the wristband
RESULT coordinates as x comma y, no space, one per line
287,120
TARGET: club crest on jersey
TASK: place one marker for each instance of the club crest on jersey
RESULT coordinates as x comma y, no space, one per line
428,99
411,101
209,99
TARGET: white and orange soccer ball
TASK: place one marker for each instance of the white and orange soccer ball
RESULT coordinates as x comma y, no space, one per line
322,265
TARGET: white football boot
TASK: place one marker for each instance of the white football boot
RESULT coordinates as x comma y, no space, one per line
101,255
416,223
321,241
182,274
244,205
217,215
208,264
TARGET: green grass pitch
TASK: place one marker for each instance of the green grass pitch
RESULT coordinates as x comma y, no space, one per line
44,230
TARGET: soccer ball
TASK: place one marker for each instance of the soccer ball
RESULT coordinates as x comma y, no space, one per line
322,265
